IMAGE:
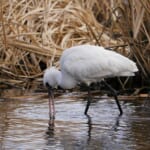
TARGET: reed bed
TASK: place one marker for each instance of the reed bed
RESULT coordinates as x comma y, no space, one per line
34,33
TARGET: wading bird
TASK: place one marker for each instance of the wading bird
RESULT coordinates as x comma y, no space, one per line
87,64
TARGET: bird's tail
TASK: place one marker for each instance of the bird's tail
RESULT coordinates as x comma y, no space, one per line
127,74
135,69
131,71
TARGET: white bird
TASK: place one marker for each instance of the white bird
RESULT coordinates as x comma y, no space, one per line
87,64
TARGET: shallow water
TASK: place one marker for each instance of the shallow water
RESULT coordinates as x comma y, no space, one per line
25,124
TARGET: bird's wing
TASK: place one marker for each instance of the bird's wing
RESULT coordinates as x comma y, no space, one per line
84,63
93,63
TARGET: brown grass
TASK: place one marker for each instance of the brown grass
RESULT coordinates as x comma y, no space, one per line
34,33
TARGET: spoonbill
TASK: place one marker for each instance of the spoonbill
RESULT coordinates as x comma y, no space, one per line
87,64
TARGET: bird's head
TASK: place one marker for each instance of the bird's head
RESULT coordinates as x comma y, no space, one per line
51,80
51,77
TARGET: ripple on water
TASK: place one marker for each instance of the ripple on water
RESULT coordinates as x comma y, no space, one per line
24,125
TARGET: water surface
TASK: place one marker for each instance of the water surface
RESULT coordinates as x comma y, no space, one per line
25,124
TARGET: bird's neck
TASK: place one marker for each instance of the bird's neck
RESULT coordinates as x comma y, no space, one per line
66,81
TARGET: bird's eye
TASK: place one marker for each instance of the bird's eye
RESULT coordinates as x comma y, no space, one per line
59,87
48,86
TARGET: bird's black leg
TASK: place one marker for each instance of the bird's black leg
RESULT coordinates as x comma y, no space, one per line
88,101
115,96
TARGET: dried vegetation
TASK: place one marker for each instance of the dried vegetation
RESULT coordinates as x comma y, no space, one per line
34,32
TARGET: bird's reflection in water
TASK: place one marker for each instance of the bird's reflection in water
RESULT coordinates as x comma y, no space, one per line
65,138
104,140
51,128
114,127
117,123
89,123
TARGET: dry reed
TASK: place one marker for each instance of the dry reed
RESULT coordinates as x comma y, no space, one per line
34,33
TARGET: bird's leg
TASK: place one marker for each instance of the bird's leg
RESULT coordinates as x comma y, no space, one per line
115,96
88,101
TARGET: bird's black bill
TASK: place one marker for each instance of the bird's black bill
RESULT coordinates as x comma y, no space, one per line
51,102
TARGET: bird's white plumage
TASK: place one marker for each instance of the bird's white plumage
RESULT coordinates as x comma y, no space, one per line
87,63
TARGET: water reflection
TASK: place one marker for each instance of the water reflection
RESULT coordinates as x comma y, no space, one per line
88,140
51,128
117,123
89,123
25,124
